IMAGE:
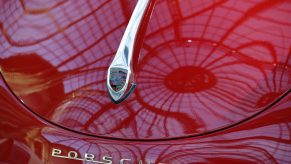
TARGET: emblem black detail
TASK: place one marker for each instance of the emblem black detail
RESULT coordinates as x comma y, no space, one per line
117,78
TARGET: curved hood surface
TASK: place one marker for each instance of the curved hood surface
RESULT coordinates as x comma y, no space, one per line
202,66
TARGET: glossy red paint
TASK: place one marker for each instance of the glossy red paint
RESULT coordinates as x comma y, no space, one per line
204,73
263,139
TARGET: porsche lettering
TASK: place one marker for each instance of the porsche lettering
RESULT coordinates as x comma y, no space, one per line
89,157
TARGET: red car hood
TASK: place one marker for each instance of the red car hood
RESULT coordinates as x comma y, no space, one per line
202,67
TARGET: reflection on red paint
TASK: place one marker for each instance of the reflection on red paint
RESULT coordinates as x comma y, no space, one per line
267,99
265,138
236,53
38,78
190,79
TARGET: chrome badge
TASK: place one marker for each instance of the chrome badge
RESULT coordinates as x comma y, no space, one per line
117,79
120,71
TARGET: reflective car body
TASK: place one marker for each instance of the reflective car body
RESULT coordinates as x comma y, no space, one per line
213,82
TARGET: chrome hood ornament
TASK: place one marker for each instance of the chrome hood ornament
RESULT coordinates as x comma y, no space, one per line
120,71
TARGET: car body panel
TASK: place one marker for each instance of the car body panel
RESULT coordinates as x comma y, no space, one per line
27,138
213,82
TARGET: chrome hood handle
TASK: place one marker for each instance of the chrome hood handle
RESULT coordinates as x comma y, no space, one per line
120,73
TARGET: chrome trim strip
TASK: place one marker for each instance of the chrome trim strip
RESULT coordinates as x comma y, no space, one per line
122,62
